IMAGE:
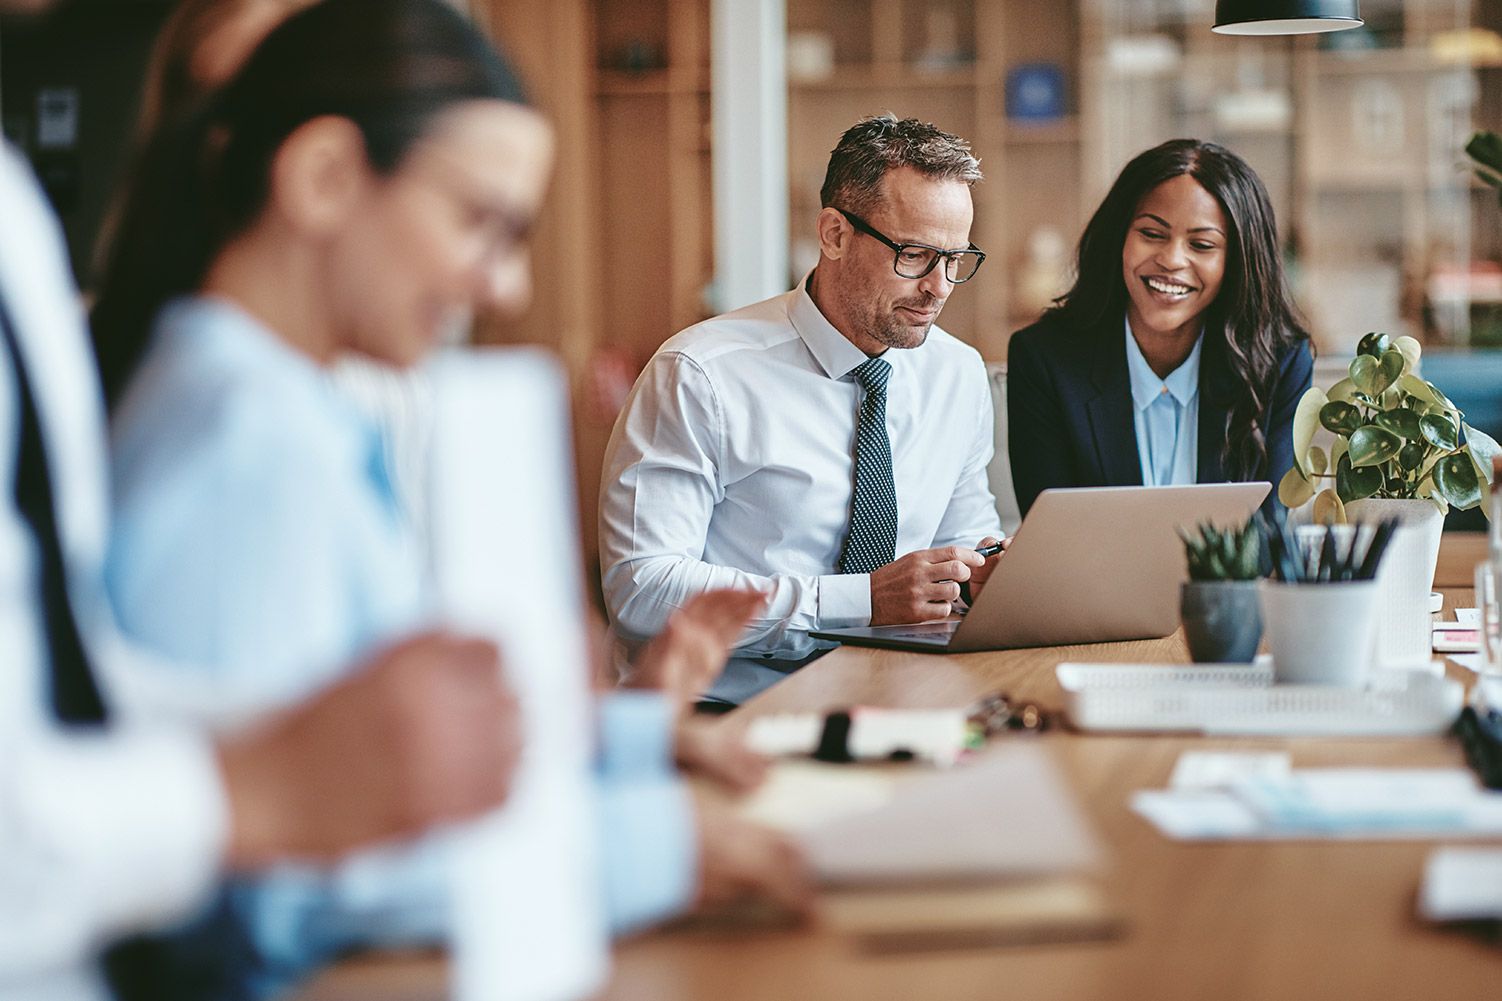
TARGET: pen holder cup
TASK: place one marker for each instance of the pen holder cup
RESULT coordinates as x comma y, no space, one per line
1320,634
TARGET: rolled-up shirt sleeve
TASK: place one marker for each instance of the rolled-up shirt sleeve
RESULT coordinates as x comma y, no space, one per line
660,486
102,836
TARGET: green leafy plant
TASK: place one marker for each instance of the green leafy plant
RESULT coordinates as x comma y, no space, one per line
1485,150
1224,554
1396,436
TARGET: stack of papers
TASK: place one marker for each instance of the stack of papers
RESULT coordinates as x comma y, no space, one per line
1257,796
992,852
1008,814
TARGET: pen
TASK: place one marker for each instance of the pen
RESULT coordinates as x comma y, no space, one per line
986,551
1374,550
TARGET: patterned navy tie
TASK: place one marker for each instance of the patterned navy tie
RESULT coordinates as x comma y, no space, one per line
872,540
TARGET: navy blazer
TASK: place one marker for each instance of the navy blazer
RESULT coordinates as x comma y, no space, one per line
1069,409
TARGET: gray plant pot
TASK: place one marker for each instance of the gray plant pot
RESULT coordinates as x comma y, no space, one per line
1222,620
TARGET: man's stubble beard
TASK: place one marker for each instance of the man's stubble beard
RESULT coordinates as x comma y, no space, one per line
885,329
896,335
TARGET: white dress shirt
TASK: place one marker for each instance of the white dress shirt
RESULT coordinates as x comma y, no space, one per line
1165,416
100,835
731,466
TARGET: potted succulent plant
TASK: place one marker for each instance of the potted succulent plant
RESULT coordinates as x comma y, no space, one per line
1218,603
1401,450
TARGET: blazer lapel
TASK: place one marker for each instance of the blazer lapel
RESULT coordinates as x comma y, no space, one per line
1215,392
1111,412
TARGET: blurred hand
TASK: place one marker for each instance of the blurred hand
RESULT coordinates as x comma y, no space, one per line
739,859
981,574
426,733
921,586
688,655
706,747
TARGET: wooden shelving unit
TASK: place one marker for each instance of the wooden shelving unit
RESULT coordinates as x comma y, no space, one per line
882,63
1366,170
652,108
623,252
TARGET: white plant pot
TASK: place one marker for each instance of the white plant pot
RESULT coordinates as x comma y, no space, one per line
1320,634
1405,578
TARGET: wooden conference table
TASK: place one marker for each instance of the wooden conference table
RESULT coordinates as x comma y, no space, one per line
1204,921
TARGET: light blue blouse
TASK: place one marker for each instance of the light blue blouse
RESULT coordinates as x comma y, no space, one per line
1165,416
256,530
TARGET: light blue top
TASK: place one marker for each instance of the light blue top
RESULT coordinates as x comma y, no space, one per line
256,530
1165,415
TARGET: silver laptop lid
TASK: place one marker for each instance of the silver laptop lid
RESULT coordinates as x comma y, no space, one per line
1098,564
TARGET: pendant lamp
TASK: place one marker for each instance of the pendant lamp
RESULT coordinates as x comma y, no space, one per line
1285,17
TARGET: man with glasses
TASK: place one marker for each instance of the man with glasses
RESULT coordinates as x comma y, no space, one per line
827,446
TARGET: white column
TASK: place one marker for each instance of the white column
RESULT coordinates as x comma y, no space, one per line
750,158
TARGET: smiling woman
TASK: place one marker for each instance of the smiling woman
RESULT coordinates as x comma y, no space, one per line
1178,356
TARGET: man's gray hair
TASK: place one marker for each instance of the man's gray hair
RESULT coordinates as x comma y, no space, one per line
875,145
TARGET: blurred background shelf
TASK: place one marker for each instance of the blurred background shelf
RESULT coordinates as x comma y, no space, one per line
1358,137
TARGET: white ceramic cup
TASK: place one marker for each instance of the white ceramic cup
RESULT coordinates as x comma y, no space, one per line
1320,634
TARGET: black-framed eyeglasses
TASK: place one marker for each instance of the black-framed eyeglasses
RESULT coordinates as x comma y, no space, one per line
915,260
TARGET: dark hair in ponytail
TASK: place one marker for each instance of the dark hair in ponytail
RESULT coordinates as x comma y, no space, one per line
1253,316
392,67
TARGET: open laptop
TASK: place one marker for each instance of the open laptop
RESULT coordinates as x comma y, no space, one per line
1087,565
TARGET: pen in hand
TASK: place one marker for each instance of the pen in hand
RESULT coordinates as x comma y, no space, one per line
987,552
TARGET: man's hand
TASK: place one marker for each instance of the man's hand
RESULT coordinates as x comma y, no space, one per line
427,733
688,655
981,574
708,748
739,859
922,586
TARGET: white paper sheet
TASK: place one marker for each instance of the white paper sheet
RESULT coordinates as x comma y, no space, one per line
1469,661
1010,813
528,919
802,795
1204,770
1328,803
1462,884
1375,801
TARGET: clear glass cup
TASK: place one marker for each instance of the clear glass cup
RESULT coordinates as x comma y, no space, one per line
1489,604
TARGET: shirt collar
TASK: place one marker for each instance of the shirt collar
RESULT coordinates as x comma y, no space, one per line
831,349
224,337
1183,383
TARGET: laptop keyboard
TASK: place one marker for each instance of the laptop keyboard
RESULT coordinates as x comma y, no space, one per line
926,634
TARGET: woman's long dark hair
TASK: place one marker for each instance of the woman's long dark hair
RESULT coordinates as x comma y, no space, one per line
1253,315
390,66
